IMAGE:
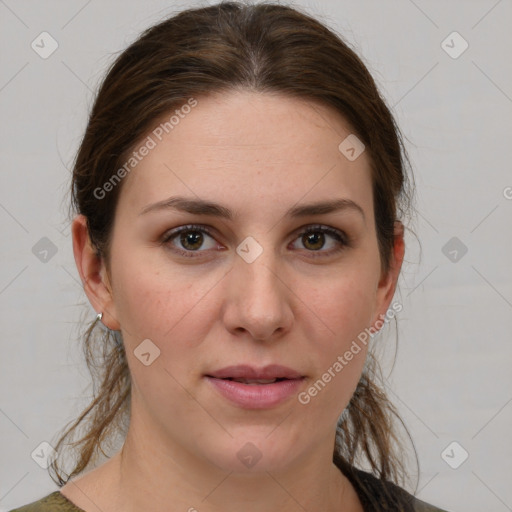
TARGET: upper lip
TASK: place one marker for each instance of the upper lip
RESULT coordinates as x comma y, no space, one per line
273,371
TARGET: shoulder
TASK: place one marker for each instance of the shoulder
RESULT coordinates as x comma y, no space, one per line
53,502
381,495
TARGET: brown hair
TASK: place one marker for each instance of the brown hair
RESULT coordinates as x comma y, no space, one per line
233,46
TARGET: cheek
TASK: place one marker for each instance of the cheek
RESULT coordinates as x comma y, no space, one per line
341,308
338,313
152,302
164,308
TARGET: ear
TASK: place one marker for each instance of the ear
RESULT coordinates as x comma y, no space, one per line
387,283
93,273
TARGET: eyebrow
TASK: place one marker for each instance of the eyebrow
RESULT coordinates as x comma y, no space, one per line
204,207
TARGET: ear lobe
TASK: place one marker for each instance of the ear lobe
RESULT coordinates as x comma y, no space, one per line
93,273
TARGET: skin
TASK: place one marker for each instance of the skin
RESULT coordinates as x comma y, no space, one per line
258,155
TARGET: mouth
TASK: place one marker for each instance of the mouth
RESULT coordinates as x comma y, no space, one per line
251,388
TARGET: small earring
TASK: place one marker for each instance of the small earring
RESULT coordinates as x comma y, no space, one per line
118,341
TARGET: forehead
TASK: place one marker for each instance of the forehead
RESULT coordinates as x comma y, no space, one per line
248,149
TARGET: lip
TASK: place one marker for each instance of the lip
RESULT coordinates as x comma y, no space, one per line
256,396
244,371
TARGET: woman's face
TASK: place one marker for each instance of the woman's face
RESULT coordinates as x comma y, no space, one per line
254,290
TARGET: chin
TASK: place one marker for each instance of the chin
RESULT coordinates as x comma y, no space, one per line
253,453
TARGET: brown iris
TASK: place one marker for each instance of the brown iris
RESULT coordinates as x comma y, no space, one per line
317,239
194,238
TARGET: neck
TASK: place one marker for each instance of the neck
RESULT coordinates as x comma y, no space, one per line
151,478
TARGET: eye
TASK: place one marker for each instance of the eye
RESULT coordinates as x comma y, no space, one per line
314,239
190,237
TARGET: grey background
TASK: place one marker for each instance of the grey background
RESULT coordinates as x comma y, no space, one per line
452,379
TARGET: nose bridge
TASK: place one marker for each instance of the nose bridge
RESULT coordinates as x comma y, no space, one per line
255,271
260,276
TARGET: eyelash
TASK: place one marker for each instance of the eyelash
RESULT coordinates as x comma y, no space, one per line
339,236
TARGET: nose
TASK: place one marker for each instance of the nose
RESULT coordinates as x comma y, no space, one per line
258,298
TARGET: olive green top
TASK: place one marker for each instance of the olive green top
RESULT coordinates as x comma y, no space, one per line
375,496
53,502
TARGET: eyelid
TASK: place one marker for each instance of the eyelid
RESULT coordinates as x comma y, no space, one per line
335,232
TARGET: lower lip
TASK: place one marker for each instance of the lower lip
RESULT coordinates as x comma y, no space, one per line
256,396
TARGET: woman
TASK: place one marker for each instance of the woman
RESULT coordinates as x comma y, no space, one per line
238,193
